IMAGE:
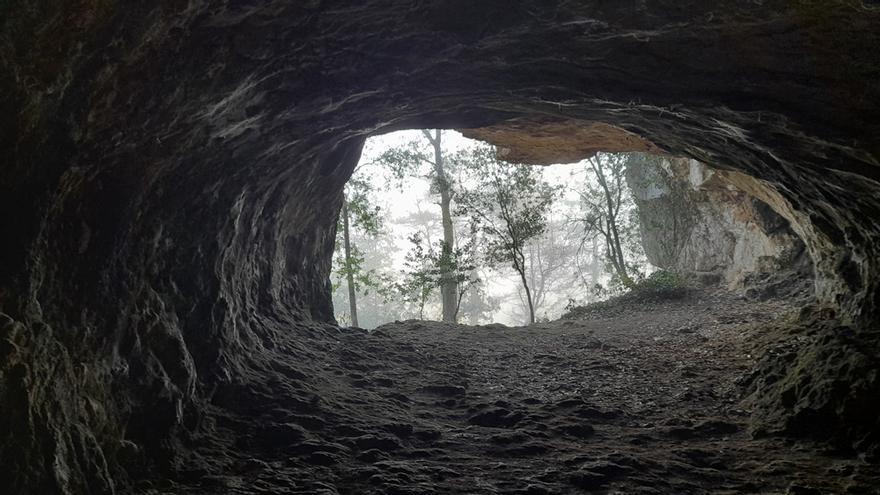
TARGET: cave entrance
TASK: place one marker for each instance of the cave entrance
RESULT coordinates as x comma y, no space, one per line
639,347
438,226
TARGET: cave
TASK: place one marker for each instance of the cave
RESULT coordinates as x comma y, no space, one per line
172,172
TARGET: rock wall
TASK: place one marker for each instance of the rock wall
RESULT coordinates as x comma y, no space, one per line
171,171
695,220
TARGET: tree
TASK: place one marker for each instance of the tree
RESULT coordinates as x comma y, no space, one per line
379,303
428,266
608,211
406,160
357,212
551,261
477,306
418,282
508,203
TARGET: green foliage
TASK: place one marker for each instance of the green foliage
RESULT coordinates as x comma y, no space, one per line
660,286
407,160
363,213
608,211
425,266
417,158
366,219
365,279
501,214
662,279
377,301
476,306
418,282
508,204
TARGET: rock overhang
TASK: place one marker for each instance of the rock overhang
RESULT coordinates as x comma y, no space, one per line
542,140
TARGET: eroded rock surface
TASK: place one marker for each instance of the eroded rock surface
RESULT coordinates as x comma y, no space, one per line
695,221
544,141
171,172
634,400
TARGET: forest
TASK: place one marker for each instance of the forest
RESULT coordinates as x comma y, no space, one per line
435,227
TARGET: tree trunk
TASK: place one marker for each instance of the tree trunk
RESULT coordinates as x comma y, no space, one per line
594,263
448,285
612,233
520,266
458,299
352,296
536,277
618,251
528,298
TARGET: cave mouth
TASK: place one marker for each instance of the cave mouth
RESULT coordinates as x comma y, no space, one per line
214,402
634,222
401,206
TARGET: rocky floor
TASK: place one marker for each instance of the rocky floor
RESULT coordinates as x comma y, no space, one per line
636,400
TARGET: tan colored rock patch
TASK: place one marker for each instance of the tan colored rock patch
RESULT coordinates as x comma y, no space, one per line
543,141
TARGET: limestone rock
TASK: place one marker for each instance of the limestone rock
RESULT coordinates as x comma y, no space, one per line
696,221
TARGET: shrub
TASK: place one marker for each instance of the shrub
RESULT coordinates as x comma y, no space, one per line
660,286
662,279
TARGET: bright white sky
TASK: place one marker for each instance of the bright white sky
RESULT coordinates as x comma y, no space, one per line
402,201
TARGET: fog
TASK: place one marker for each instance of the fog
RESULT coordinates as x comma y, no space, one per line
564,264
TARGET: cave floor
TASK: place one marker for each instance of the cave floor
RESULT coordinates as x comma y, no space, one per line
640,400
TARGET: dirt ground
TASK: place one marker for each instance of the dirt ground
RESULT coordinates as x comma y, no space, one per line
635,400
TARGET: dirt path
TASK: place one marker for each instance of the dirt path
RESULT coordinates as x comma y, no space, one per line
644,401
